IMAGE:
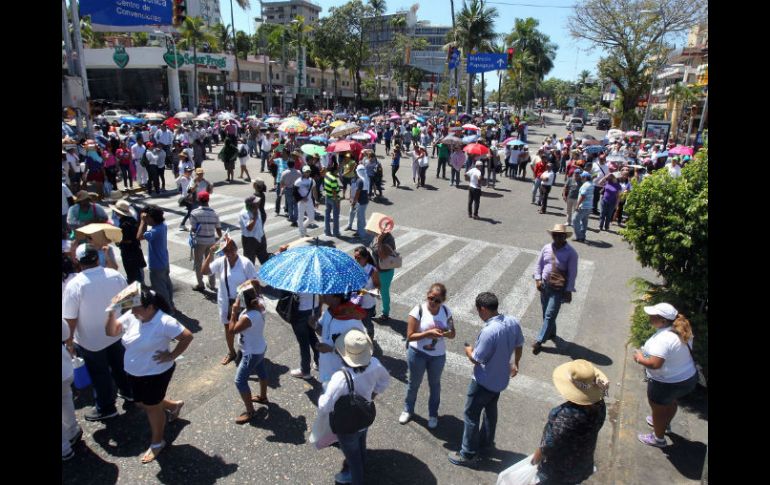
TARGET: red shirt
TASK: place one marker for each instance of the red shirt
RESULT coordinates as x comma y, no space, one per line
539,168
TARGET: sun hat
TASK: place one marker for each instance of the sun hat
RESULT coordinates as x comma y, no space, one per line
203,196
479,163
665,310
82,196
580,382
355,348
122,207
559,229
199,171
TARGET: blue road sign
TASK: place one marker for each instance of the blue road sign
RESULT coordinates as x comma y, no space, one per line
486,62
454,60
120,13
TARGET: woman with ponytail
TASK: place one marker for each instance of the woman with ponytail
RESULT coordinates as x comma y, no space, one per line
671,371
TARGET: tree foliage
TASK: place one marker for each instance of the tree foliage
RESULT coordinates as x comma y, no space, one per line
474,30
349,21
632,34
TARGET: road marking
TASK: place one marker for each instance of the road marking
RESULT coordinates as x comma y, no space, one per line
519,298
425,251
569,315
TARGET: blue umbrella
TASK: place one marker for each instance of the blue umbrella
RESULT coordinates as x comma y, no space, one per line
470,138
515,143
319,270
130,119
420,119
365,118
594,149
319,139
490,122
662,154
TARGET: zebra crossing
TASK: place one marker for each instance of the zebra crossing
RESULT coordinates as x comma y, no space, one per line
428,257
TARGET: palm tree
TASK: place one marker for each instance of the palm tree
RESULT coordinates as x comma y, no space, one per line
224,38
323,65
499,48
474,29
192,33
526,37
583,77
245,5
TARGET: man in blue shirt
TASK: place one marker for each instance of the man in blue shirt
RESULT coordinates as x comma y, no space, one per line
500,338
584,207
157,248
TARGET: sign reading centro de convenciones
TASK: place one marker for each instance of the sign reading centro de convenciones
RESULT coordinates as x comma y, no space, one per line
127,15
486,62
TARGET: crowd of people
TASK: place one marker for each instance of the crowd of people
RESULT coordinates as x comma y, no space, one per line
335,333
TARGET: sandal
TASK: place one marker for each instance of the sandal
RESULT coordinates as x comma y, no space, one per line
259,399
245,417
228,358
172,415
152,453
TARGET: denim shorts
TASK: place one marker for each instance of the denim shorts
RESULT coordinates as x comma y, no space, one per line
250,364
664,393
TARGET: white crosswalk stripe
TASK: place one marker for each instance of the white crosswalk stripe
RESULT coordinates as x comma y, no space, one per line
426,250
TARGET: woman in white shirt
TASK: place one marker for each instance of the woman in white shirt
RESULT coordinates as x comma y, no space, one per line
671,371
340,316
427,326
250,325
369,378
146,332
367,301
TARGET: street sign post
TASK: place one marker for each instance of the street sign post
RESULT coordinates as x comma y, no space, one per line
453,92
486,62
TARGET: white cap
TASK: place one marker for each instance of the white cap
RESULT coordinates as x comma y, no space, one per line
664,310
479,163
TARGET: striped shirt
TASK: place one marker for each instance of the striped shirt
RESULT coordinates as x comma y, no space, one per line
331,186
209,222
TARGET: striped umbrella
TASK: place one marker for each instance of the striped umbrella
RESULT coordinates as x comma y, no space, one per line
293,125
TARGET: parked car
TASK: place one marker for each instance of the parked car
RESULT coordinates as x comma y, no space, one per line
115,114
603,124
575,124
591,121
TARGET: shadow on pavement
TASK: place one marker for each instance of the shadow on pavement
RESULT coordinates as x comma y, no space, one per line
502,190
449,430
313,390
490,195
191,324
285,427
686,456
397,368
498,460
381,201
577,351
188,464
429,187
87,467
393,466
129,435
274,372
404,187
489,220
697,402
597,244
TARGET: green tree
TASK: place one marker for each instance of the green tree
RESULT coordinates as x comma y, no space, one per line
378,7
245,5
632,34
242,44
140,39
404,72
349,20
192,33
541,52
474,30
94,40
327,45
668,229
224,38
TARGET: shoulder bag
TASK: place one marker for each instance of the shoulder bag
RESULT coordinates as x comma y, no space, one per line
392,261
701,376
352,412
556,278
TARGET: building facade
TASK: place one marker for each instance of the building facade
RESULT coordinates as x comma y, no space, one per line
208,10
284,12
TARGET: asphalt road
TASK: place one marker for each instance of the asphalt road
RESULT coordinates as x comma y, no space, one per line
439,243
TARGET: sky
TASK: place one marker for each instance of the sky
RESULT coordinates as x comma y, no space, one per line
571,56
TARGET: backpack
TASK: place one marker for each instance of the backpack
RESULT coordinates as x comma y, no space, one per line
351,412
144,162
288,305
243,153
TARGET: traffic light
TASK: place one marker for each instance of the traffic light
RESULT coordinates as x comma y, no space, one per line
180,11
511,50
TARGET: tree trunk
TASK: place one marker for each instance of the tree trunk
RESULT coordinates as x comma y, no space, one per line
469,95
482,92
194,87
358,88
237,64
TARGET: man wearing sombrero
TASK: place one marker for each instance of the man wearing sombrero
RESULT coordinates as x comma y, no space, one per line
555,276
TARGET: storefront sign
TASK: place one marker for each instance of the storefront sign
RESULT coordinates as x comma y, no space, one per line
212,62
172,60
120,56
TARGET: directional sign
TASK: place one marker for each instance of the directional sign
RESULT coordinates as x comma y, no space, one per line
486,62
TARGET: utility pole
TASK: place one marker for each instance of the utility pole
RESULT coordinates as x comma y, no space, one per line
65,32
82,64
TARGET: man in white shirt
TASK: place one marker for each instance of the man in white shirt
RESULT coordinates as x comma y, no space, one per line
474,191
547,179
288,177
137,152
85,299
306,205
153,155
598,172
265,145
674,170
164,139
252,231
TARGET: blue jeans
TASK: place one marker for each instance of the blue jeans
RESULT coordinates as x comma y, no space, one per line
536,189
306,338
550,299
479,399
250,364
291,204
252,144
580,222
264,160
353,446
361,223
332,207
104,366
608,210
418,362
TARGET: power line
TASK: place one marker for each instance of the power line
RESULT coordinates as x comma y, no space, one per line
530,5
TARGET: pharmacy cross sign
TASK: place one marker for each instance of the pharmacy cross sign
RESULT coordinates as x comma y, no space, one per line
485,62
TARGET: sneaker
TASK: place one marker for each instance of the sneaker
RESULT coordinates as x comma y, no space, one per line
299,375
651,440
649,423
404,418
457,458
433,422
314,366
125,398
71,455
343,477
77,437
100,416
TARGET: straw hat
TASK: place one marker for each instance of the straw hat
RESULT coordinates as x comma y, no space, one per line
580,382
559,229
123,208
199,171
82,196
355,348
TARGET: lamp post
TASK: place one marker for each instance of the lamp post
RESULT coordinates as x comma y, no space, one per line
326,97
215,90
383,97
175,97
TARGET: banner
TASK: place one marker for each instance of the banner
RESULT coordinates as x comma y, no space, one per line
117,15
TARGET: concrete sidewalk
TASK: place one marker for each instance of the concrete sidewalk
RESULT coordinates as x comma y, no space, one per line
632,462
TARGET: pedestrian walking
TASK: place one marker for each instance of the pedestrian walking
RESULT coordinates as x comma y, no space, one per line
265,146
205,228
598,172
365,376
570,194
456,161
243,157
146,332
670,368
443,159
584,204
475,181
252,231
427,326
332,201
383,250
499,340
303,188
138,155
555,276
308,311
394,165
538,169
610,200
288,178
359,201
547,180
157,248
228,155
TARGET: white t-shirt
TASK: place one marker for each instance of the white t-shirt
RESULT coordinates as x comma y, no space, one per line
86,297
137,151
65,192
674,171
306,301
304,185
678,365
367,300
243,160
244,218
267,144
331,328
143,340
67,370
252,340
242,271
548,178
374,379
430,321
474,174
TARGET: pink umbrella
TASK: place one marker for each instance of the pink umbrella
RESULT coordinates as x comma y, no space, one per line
510,138
372,134
395,116
471,127
681,150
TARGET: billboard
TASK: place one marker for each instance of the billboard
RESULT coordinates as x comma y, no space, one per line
128,15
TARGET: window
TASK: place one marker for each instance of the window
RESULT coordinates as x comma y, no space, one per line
312,80
256,76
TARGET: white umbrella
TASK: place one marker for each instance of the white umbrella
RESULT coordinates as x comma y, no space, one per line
615,133
184,115
225,116
154,117
345,129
